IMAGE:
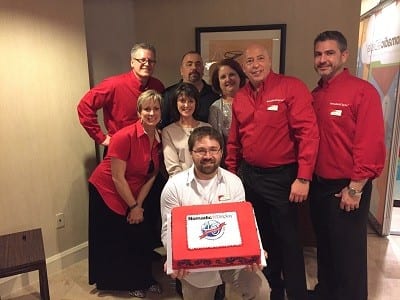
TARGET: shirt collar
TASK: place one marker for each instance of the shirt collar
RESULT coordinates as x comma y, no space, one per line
269,76
140,131
191,177
338,77
138,82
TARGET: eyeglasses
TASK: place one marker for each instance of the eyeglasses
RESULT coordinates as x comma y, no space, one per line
251,61
145,60
203,152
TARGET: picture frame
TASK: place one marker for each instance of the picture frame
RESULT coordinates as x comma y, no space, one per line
216,43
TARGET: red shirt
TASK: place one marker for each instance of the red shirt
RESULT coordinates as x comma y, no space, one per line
117,96
350,120
274,127
130,144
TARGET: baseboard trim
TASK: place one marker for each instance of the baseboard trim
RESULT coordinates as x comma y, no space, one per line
55,264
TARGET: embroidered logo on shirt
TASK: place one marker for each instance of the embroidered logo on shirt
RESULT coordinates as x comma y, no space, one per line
223,198
336,112
273,107
274,100
338,104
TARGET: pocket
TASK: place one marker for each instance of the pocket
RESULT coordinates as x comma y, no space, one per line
272,114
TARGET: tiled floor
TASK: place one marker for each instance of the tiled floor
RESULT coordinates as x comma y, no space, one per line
383,266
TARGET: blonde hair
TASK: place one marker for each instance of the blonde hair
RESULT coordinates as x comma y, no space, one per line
147,96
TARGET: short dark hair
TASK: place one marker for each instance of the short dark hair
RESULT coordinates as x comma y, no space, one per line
205,131
230,63
188,90
190,52
332,35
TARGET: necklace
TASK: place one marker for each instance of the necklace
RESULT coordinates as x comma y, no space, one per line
187,129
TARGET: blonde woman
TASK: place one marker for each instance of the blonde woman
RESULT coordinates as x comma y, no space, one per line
120,242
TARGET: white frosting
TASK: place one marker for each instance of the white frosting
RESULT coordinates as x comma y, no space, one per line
213,230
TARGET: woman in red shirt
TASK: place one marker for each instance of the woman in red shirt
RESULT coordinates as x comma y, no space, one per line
120,242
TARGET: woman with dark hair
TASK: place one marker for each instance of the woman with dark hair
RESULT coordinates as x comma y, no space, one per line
226,80
175,136
120,240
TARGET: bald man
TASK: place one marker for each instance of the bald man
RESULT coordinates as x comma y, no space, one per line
274,141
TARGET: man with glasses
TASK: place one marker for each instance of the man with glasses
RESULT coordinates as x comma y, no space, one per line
274,141
118,95
202,184
192,71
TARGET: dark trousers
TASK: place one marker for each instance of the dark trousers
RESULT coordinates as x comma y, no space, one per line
120,254
268,190
341,241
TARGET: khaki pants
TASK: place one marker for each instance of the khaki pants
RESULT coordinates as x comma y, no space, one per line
250,285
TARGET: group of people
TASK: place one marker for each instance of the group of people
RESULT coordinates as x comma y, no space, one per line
260,136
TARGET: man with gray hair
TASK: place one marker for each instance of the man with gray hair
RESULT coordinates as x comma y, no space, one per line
117,95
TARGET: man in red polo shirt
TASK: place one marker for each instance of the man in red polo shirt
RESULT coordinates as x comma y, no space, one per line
274,140
117,96
351,154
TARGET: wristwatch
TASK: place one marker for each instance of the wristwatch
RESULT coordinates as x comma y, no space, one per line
353,192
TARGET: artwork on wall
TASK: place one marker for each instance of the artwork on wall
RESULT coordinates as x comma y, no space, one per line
216,43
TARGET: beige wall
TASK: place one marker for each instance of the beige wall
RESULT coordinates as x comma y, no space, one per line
45,155
109,36
170,25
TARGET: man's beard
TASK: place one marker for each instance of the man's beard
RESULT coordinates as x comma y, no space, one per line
209,168
194,76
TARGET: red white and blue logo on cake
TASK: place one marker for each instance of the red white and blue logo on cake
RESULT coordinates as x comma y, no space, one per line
216,235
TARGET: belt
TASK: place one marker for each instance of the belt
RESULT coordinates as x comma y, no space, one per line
331,181
269,169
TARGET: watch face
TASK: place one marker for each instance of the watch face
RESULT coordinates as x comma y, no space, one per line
352,192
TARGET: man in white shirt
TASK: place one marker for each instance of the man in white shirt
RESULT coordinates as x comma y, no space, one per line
206,183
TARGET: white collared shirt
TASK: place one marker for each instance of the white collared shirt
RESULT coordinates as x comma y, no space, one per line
184,189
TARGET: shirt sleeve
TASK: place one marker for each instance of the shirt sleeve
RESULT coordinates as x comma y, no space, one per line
120,146
171,158
233,147
369,150
304,128
88,106
213,118
237,190
168,200
166,108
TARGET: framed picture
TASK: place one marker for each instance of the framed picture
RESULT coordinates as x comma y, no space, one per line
216,43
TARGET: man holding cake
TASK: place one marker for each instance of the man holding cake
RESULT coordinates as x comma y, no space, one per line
205,183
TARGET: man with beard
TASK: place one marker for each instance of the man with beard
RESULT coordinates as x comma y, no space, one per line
351,154
192,71
201,184
273,139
